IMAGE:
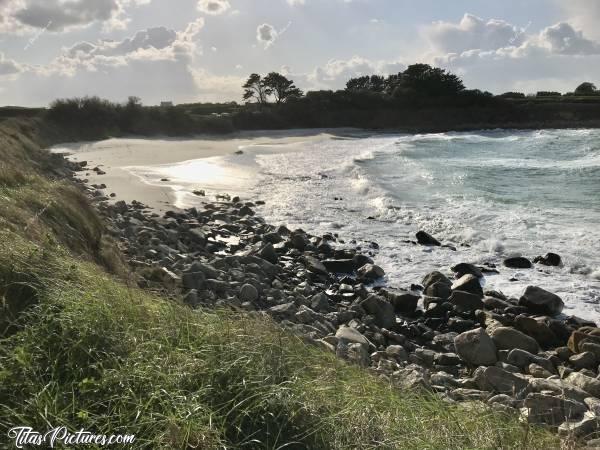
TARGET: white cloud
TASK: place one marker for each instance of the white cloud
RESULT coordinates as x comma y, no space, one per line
562,38
472,32
583,14
337,72
266,34
213,7
557,58
154,64
296,2
17,16
8,67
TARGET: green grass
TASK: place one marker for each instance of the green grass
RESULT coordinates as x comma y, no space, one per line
81,348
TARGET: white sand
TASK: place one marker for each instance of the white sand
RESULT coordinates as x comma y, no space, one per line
122,158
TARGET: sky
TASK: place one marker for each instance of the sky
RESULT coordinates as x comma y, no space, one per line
203,50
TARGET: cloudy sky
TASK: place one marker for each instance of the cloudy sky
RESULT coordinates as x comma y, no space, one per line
201,50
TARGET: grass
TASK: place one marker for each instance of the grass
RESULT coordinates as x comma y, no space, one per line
81,348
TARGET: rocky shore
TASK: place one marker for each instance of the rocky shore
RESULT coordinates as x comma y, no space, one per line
444,333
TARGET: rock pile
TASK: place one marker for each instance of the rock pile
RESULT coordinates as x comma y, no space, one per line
446,334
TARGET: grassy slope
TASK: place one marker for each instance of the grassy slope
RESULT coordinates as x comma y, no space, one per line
91,352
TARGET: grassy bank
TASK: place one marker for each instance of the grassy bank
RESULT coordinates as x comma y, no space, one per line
81,348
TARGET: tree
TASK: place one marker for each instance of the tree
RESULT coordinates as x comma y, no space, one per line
373,83
358,84
586,88
279,86
255,89
433,81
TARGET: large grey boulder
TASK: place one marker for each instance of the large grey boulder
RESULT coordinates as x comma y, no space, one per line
370,272
588,384
468,283
465,301
494,379
540,301
476,348
507,338
522,358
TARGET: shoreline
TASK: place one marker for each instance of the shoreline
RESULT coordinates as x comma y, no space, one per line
445,335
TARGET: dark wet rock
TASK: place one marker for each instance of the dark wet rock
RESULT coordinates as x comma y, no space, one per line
435,277
439,289
518,262
466,269
495,303
370,272
468,283
550,259
508,339
315,266
584,360
458,325
425,238
319,302
522,359
476,348
540,301
465,301
248,293
381,309
403,302
339,265
537,329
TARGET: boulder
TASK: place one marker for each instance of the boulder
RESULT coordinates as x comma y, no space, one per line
522,359
438,290
370,272
499,381
339,265
465,301
248,293
381,309
581,336
315,266
435,277
585,360
550,259
403,302
551,410
466,269
351,335
588,384
585,427
285,311
476,348
319,302
424,238
518,263
468,283
507,338
538,330
540,301
268,253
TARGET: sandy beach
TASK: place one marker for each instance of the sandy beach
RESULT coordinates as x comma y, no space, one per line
124,159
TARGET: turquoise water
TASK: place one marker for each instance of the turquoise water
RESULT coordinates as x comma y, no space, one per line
493,194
